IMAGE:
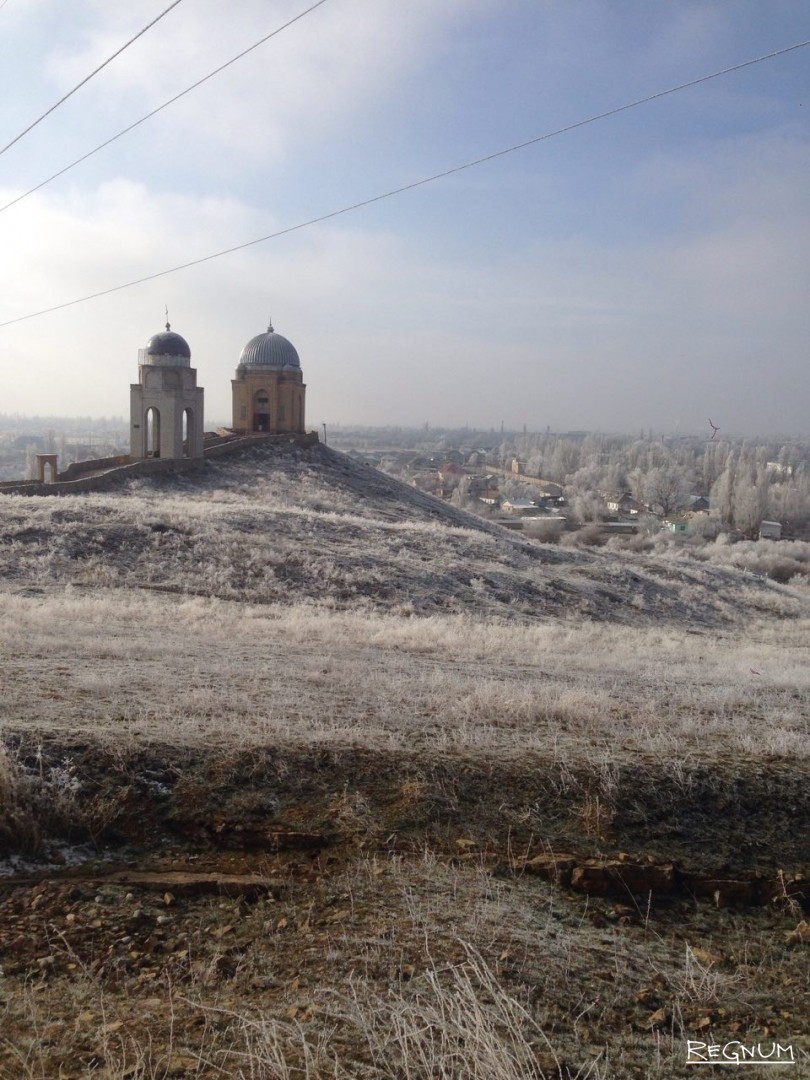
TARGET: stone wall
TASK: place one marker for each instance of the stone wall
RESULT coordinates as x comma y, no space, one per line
115,473
77,468
242,442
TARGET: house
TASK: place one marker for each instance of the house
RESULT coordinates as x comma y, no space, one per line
519,507
770,530
697,504
625,504
454,457
619,528
776,468
550,490
678,525
479,485
419,463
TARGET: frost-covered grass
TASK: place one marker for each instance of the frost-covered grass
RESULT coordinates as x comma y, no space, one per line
294,527
159,668
294,596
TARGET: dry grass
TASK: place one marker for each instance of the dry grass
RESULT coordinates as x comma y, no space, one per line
155,668
391,968
287,526
299,641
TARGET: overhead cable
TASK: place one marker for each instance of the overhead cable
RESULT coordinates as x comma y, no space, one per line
87,78
415,184
160,108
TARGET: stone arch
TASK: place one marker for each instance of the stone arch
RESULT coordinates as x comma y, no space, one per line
151,432
261,410
47,461
188,431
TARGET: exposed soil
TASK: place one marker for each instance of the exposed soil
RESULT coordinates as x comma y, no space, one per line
744,819
193,963
287,886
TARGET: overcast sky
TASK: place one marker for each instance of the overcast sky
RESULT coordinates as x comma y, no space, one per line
647,270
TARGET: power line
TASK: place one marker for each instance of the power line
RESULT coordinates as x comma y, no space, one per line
87,78
415,184
160,108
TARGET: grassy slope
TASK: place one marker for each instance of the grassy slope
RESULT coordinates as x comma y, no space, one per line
295,641
286,525
293,599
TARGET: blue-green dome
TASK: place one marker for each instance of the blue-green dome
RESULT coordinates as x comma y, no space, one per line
269,350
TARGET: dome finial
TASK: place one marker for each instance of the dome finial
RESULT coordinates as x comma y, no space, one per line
168,324
270,326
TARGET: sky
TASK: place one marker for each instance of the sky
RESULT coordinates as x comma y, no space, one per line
648,270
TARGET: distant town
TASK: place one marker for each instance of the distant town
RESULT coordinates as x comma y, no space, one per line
546,484
601,485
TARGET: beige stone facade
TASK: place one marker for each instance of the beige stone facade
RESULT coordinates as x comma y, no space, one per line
268,388
166,405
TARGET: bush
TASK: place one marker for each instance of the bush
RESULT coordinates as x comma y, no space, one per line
547,532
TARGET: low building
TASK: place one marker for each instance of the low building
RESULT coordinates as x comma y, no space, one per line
770,530
619,528
698,504
624,504
676,525
519,507
550,490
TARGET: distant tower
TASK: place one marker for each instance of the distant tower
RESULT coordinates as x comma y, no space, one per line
166,405
268,390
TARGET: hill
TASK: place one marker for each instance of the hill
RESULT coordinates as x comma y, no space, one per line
304,773
286,525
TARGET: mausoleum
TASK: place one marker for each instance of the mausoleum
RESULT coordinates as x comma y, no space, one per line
268,390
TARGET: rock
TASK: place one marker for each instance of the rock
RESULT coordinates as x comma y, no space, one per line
552,866
181,883
617,876
723,891
642,878
593,880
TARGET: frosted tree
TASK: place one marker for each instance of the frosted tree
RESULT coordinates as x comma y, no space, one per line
666,488
751,491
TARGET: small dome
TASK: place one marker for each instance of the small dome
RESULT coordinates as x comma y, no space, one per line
168,344
269,350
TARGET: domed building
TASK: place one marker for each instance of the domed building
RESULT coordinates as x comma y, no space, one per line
166,405
268,390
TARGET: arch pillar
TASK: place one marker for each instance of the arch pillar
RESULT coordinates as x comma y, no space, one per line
43,461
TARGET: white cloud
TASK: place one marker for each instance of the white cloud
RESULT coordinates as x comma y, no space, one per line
457,306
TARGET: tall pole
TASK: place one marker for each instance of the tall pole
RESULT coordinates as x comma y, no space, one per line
324,433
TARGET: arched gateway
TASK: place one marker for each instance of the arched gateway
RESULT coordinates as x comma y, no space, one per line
166,405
